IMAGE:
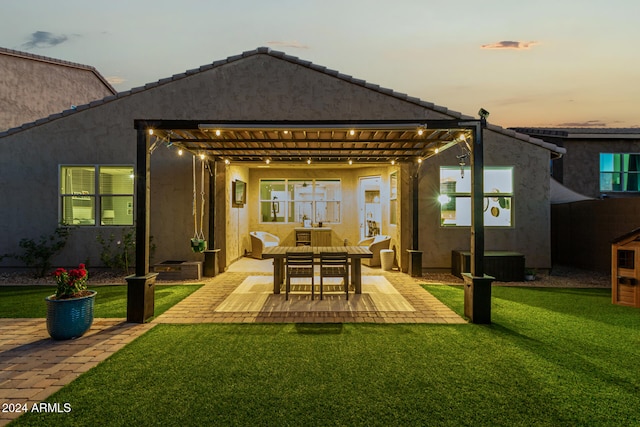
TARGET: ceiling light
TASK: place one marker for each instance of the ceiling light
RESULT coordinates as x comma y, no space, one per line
393,162
202,156
150,131
350,161
419,159
436,150
180,152
420,131
352,132
227,161
308,161
217,132
267,161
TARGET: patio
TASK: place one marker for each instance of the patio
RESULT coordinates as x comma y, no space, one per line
244,293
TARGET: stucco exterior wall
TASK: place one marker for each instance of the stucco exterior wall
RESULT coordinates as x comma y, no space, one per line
581,164
529,233
259,87
31,89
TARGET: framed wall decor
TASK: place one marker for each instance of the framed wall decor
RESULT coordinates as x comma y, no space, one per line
239,192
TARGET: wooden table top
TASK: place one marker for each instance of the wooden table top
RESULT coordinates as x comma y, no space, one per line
352,251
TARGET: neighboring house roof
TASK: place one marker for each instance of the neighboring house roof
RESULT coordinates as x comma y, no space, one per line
560,194
34,86
581,133
295,60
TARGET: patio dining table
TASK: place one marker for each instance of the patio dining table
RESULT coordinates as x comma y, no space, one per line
355,254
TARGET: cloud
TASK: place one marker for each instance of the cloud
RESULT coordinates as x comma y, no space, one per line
293,44
505,44
43,39
588,123
115,80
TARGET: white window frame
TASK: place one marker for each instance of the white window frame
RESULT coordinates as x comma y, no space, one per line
96,196
497,203
287,203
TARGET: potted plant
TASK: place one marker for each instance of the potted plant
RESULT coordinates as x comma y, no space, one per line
530,274
70,309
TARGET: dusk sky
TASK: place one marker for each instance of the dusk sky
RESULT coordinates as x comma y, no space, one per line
560,63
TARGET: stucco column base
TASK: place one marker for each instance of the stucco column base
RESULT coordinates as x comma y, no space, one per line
415,263
140,297
477,298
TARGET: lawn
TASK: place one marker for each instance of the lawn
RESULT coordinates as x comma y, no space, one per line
111,301
551,357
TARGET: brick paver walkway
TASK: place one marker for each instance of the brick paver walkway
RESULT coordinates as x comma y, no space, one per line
32,366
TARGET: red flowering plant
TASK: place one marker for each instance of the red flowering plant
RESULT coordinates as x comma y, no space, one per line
72,283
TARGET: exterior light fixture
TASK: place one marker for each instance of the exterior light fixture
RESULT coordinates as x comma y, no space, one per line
393,162
437,150
419,159
180,152
217,132
420,131
444,199
227,161
350,161
202,156
352,132
483,113
286,132
267,161
308,161
150,131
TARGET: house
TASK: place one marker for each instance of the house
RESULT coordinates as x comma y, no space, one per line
34,86
599,163
598,198
282,140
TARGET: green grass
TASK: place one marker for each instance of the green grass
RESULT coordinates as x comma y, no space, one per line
552,357
111,301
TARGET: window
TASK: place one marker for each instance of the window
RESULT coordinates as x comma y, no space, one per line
619,172
111,204
455,196
393,198
294,200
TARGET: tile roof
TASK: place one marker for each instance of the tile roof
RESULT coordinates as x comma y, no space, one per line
300,62
46,59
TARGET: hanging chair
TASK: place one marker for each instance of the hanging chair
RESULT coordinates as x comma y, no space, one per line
198,242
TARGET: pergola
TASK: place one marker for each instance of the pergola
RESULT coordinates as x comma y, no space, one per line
328,142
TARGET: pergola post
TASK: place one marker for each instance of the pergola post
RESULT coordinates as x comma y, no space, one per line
211,262
477,290
141,286
415,255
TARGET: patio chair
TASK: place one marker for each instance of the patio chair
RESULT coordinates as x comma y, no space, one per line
299,264
334,264
375,244
261,240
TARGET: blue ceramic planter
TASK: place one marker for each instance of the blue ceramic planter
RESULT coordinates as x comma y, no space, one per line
69,318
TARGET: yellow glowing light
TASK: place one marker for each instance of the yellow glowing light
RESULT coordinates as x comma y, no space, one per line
350,161
150,131
437,150
420,160
180,152
420,132
267,161
309,161
393,162
201,156
352,132
217,132
227,161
